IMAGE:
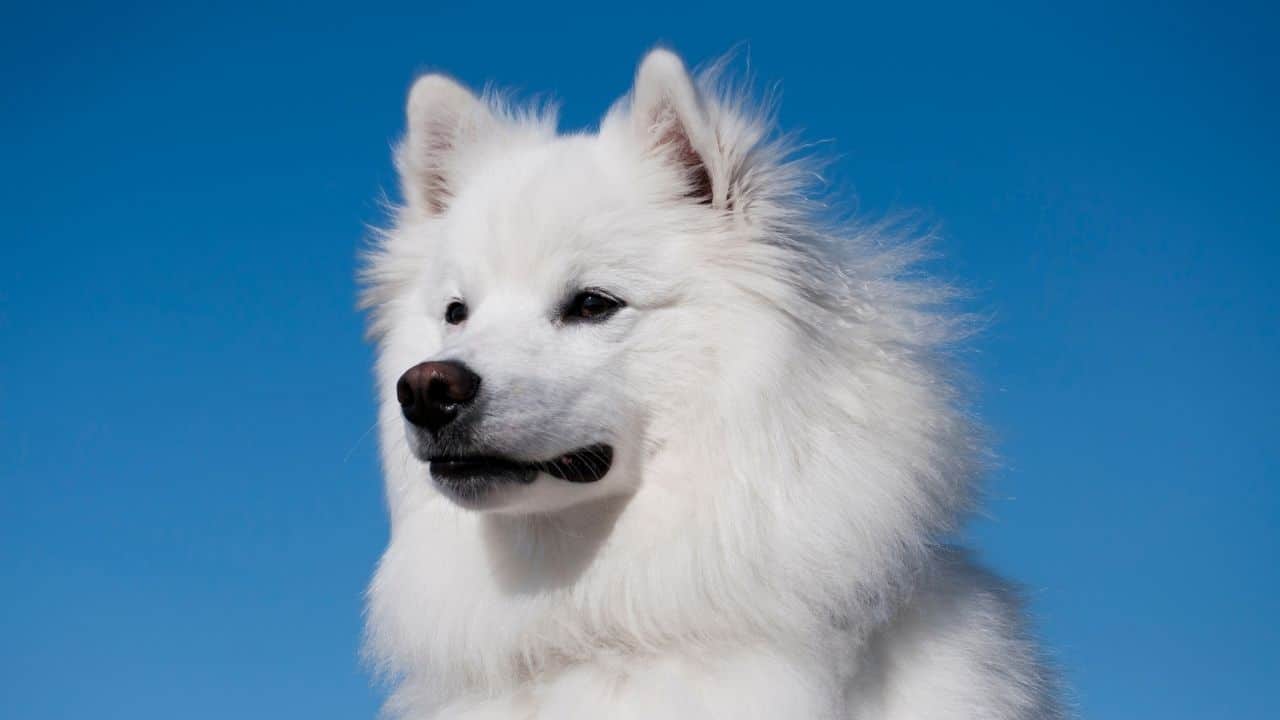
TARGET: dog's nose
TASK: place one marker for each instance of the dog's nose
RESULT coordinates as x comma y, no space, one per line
431,393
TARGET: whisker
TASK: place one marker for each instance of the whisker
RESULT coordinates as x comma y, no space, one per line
359,440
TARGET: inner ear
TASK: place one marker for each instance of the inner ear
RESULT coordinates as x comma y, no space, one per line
673,141
671,120
432,174
444,121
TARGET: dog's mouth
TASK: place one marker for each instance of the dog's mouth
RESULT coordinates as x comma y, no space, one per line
584,465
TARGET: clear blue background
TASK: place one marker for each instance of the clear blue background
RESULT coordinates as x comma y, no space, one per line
191,500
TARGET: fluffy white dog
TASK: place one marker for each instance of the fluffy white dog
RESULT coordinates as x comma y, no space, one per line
660,442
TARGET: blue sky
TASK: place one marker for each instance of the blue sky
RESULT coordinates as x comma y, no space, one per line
191,497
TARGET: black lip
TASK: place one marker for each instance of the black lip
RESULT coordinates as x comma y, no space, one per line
585,465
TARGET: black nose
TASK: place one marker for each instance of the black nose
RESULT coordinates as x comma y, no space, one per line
431,393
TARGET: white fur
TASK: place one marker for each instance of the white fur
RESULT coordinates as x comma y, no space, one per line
789,446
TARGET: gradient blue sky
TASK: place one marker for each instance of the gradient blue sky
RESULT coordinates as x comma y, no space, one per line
191,500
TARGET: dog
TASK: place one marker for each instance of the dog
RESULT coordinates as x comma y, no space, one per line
661,438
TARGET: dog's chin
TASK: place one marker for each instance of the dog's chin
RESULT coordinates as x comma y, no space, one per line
483,481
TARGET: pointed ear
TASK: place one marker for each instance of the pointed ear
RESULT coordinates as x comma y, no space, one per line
444,120
668,115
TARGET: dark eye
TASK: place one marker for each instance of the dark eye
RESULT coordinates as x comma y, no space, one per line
455,313
591,305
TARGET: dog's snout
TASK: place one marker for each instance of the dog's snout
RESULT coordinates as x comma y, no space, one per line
432,393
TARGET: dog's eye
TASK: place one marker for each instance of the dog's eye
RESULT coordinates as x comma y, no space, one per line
591,305
455,313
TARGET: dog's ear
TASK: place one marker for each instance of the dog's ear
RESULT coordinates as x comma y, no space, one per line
444,120
669,116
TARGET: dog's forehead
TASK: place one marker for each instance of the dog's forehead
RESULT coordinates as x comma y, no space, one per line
558,204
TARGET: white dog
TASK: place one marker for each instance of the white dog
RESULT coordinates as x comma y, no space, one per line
662,443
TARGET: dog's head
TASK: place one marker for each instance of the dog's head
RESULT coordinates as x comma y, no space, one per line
548,318
655,312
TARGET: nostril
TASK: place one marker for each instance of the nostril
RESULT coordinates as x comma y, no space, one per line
404,391
468,385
